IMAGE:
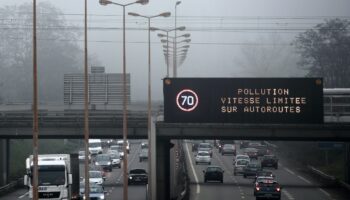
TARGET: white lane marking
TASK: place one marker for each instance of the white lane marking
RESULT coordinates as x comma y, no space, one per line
304,179
20,197
289,196
288,170
324,192
193,171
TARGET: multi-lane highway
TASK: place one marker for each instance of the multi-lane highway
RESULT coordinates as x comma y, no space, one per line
114,181
297,185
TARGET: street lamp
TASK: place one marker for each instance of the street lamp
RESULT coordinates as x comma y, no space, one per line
164,14
175,70
181,28
125,131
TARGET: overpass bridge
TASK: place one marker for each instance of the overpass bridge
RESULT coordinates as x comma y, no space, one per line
105,123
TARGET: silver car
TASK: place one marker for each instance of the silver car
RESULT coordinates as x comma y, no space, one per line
239,166
203,157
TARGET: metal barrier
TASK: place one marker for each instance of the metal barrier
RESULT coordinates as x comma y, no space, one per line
11,186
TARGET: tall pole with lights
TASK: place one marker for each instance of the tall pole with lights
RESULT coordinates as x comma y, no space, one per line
86,108
125,130
35,109
175,66
165,14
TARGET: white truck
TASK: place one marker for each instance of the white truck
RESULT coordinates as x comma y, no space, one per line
58,177
95,146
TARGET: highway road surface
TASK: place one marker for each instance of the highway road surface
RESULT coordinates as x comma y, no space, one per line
296,184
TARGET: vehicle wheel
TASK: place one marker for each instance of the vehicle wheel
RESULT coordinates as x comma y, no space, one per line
205,180
209,163
196,163
140,160
276,167
222,154
234,173
244,176
222,180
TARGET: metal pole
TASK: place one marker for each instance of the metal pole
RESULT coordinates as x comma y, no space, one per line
125,161
174,54
149,111
167,52
86,108
35,110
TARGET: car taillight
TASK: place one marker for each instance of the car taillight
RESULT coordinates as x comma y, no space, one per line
278,189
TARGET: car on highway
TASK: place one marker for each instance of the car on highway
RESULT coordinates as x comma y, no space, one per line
251,169
203,157
121,142
119,149
144,145
251,152
240,156
143,155
96,192
116,161
195,145
221,143
262,149
265,174
96,177
82,156
269,161
228,149
213,173
206,147
267,188
239,166
137,176
105,161
244,144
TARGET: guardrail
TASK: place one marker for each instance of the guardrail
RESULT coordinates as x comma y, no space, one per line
332,179
11,186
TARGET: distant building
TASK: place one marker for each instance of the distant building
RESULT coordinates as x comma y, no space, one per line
104,89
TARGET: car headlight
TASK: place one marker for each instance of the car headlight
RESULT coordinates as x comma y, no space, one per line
96,163
102,197
108,163
130,177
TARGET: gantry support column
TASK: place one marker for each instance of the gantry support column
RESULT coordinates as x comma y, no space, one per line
163,168
347,163
4,161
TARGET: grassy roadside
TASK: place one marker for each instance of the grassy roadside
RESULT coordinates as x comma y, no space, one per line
21,149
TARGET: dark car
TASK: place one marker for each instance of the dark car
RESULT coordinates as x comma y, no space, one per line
244,144
251,152
137,176
269,161
251,169
223,142
213,173
105,161
267,187
262,149
228,149
195,146
264,174
144,145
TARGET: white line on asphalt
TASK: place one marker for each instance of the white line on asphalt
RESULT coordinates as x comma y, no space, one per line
324,192
193,171
288,170
289,196
304,179
20,197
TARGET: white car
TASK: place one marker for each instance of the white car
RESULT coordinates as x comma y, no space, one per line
240,156
203,157
96,177
239,166
115,158
82,156
121,142
119,149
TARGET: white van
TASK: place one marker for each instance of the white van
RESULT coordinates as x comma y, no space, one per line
95,146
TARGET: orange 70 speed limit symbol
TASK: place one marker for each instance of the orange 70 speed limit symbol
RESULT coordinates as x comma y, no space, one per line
187,100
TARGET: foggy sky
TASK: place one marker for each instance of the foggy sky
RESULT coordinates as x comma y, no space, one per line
219,30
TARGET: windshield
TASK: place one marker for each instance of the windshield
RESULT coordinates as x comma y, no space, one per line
213,169
102,158
94,145
203,154
204,146
51,175
242,162
96,174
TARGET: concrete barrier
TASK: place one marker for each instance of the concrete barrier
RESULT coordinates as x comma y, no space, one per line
11,187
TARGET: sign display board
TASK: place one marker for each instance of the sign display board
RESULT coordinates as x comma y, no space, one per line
243,100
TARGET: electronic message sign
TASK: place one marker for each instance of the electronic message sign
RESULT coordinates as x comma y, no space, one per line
243,100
